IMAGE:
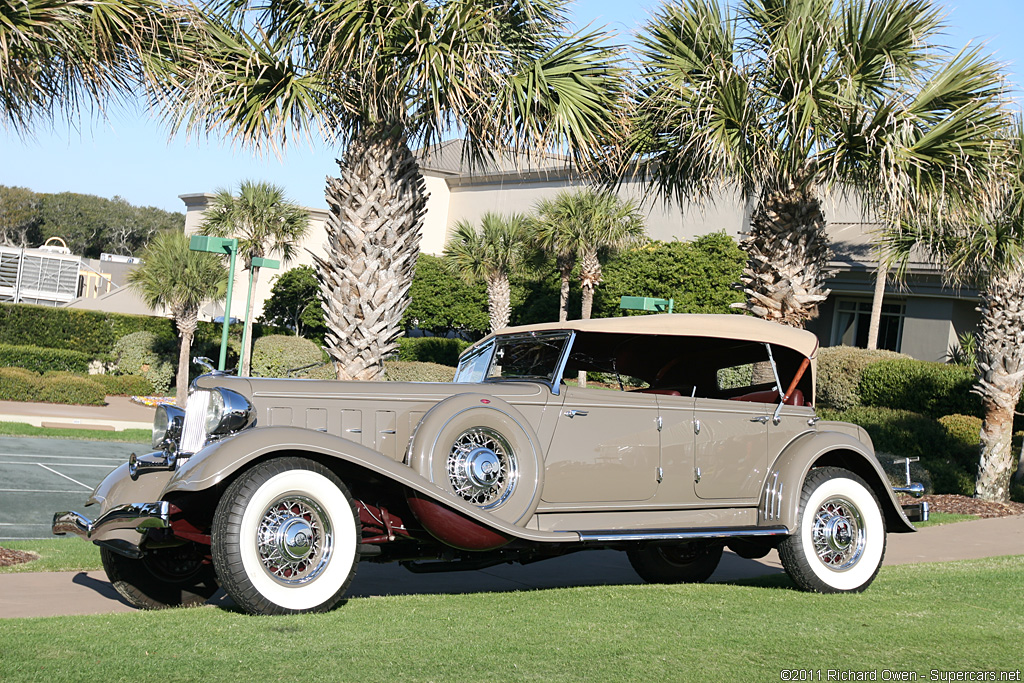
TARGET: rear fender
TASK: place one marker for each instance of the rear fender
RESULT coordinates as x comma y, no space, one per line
780,499
218,462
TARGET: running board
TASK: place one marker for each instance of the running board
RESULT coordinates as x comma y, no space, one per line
614,535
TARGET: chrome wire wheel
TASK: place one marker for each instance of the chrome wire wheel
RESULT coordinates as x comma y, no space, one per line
838,534
482,467
294,540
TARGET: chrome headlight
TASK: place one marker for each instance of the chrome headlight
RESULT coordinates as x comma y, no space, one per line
167,425
212,414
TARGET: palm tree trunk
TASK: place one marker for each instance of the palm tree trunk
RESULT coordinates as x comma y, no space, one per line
565,264
247,333
499,301
876,304
590,277
1001,367
373,237
186,321
787,258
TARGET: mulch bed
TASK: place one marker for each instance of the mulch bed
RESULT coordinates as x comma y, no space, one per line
9,557
961,505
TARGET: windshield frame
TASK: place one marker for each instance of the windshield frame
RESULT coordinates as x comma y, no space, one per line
487,350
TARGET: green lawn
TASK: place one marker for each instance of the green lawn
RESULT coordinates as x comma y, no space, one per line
956,616
127,435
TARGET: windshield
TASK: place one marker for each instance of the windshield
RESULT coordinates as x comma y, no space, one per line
517,357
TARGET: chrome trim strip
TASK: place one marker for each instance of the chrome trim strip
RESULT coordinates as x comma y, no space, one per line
562,361
128,516
677,534
772,498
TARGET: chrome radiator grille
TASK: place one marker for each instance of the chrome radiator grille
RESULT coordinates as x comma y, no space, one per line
193,434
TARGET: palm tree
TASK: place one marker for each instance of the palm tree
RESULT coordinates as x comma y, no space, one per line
491,255
380,77
181,280
580,224
981,240
789,97
57,58
265,222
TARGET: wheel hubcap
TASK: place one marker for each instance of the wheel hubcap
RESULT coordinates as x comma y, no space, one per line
294,540
482,467
838,534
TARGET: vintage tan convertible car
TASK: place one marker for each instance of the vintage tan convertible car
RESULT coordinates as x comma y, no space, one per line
700,435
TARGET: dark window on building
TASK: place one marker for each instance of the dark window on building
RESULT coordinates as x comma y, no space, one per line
853,318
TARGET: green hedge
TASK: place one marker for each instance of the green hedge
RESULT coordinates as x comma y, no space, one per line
19,384
934,389
947,447
839,374
90,332
440,350
274,355
39,359
144,353
412,371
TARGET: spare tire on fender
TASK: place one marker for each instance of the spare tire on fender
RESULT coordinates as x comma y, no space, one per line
482,450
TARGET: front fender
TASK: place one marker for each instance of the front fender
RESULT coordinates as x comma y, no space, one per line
217,462
780,500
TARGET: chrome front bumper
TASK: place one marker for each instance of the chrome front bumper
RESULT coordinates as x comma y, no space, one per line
137,516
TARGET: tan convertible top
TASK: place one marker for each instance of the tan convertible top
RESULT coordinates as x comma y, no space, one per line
723,326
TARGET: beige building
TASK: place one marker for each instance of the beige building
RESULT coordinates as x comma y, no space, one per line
921,317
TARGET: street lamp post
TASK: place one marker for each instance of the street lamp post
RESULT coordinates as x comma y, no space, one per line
256,262
220,245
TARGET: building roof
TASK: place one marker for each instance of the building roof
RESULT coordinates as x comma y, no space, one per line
451,160
723,326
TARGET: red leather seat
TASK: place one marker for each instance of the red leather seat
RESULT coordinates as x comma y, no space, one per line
771,396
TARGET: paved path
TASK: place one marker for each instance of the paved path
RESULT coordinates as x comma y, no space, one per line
119,413
72,593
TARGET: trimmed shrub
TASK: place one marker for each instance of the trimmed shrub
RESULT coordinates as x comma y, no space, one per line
839,373
951,460
90,332
934,389
124,385
438,350
143,353
412,371
19,384
276,354
40,359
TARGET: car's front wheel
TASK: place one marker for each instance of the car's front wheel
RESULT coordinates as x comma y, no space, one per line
170,577
286,538
681,563
839,542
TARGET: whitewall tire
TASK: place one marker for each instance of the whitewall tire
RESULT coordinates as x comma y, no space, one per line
286,538
839,543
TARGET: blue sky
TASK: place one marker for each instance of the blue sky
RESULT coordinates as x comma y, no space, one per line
129,155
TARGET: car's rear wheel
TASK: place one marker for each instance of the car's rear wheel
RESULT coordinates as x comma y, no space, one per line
839,542
170,577
286,538
679,563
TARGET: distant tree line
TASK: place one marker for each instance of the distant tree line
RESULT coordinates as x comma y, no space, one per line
90,225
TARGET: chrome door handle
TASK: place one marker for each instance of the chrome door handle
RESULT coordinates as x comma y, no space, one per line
574,413
696,426
763,419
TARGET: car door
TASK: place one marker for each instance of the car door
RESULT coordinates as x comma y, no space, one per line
605,448
730,449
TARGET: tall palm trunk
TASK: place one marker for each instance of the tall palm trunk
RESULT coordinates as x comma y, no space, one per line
247,333
881,273
373,236
565,263
788,256
590,278
499,306
186,320
1001,366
